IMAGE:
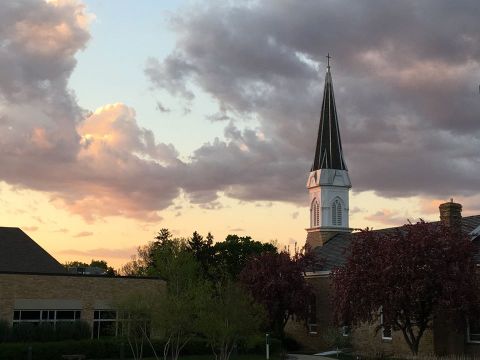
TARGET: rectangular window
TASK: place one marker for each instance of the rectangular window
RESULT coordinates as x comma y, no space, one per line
386,330
473,331
105,323
346,330
45,316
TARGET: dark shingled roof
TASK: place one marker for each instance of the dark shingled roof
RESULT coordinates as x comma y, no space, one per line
328,152
334,252
20,254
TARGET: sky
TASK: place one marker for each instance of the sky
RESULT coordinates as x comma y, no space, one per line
122,117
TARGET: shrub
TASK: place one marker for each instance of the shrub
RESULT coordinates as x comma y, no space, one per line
75,330
258,346
291,344
23,332
4,330
93,349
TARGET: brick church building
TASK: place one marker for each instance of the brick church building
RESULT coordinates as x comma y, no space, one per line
329,235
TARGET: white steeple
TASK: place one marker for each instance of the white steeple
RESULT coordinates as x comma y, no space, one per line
328,182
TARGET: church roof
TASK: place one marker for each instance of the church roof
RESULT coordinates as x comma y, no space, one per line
328,152
335,251
20,254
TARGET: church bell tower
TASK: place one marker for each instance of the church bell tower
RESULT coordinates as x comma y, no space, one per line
328,182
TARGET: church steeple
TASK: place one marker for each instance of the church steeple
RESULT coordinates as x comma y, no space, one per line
328,182
328,152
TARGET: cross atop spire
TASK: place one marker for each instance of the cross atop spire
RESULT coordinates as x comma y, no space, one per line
328,153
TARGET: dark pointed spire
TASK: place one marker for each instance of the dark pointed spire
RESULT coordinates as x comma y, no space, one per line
328,153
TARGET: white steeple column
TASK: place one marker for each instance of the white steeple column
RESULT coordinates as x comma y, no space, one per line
328,182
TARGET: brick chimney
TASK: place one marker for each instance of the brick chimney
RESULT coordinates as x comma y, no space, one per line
451,215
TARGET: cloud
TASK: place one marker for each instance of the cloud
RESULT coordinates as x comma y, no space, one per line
93,164
30,228
83,234
405,88
237,230
121,253
160,107
387,217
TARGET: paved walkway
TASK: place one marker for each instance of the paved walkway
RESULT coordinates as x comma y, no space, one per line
307,357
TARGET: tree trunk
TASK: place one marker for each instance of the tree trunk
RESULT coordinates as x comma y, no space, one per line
412,341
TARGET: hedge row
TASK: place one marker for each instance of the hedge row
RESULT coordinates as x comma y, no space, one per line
76,330
93,349
112,348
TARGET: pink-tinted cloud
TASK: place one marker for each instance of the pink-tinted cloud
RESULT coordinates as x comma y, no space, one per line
121,253
387,217
30,228
94,165
83,234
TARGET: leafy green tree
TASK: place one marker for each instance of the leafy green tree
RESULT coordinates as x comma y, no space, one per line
178,315
175,311
227,258
138,313
227,316
233,253
143,263
75,264
140,263
203,251
101,264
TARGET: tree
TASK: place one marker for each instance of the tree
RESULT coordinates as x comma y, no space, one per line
143,263
203,252
75,264
178,307
233,253
138,313
174,313
139,263
411,274
276,280
102,264
227,316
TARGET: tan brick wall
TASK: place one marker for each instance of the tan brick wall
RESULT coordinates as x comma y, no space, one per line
314,239
365,340
319,238
89,290
298,330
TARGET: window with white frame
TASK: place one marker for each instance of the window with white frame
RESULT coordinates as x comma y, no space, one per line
386,329
105,324
473,331
314,213
36,317
337,213
346,330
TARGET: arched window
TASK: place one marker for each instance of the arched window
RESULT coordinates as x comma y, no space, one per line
337,213
314,213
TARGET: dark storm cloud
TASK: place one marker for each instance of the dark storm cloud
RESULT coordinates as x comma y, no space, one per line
406,78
